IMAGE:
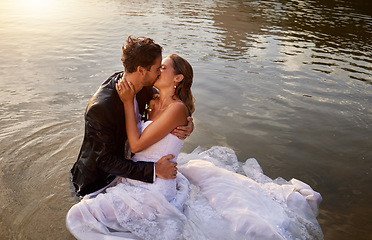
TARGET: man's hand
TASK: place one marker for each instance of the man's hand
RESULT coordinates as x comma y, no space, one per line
166,169
182,132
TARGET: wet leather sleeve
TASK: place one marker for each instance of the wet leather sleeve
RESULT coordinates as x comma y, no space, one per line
108,150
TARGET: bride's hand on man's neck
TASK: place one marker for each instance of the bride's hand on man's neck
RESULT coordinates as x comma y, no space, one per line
134,80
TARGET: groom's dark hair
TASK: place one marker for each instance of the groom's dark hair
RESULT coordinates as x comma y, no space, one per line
139,52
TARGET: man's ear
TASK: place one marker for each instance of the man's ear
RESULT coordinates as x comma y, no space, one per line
141,70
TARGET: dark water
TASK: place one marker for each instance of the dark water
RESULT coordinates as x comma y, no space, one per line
286,82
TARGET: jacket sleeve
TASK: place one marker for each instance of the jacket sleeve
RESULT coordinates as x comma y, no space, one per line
107,151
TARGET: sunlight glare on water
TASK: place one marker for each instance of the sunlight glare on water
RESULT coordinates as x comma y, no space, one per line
33,9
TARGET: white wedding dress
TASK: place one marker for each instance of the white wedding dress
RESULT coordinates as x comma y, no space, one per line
131,209
214,197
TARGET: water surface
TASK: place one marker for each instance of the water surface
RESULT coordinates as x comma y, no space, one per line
286,82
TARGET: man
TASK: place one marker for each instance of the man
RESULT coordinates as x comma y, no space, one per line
103,154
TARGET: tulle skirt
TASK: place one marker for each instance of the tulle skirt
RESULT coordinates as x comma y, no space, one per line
218,197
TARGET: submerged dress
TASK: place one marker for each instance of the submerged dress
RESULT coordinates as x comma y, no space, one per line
213,197
230,199
131,209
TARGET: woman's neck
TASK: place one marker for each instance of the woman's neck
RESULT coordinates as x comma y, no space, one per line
166,97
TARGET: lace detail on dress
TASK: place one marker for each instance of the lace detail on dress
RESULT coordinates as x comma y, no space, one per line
145,213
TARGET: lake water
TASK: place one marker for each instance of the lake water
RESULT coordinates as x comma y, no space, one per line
286,82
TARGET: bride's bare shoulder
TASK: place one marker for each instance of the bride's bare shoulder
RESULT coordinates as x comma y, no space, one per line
178,107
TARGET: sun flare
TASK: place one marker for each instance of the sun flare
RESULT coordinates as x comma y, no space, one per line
35,7
35,3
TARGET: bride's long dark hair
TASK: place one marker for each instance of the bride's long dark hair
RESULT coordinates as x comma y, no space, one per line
183,89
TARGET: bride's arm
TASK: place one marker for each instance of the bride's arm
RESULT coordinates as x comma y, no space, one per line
126,93
175,115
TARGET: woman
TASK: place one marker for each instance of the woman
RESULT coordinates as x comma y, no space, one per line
218,204
132,208
169,109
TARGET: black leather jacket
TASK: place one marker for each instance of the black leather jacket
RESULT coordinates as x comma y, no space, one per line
101,156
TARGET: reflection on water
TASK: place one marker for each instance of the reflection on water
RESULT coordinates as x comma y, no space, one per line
286,82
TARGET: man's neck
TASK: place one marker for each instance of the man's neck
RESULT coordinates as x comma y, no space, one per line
135,80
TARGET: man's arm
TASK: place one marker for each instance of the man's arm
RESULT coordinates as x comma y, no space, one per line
108,153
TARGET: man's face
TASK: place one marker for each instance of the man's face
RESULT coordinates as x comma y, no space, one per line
153,74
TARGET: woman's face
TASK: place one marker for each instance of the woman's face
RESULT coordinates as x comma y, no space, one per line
167,75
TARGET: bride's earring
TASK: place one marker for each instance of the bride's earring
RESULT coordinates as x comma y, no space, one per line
175,86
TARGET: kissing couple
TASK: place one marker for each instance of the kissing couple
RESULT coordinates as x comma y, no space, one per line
127,179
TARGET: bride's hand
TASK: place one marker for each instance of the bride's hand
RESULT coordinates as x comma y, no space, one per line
125,91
